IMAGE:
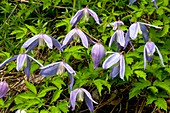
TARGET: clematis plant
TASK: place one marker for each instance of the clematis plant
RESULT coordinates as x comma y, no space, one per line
133,1
118,60
58,68
84,12
80,94
97,53
20,111
74,33
3,89
140,27
23,60
39,40
115,24
148,52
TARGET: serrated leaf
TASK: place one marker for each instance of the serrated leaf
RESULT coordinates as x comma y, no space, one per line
44,91
162,85
129,60
161,103
56,95
63,106
31,87
134,93
153,89
150,99
140,74
99,84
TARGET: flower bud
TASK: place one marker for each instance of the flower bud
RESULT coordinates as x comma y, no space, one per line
3,89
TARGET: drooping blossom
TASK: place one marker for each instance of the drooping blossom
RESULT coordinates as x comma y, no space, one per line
115,24
74,33
84,12
3,89
140,27
133,1
148,52
40,39
20,111
97,53
22,61
118,60
58,68
120,38
80,94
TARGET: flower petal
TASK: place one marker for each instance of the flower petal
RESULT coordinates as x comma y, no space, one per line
68,38
150,47
150,25
112,39
88,95
120,38
3,89
35,60
154,3
83,37
89,103
71,81
27,69
131,2
115,71
144,56
111,60
30,41
94,15
56,44
122,67
69,68
133,30
73,96
32,46
20,61
76,17
47,40
160,56
145,32
8,60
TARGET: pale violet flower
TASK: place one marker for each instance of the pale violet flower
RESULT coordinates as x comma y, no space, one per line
74,33
23,60
84,12
20,111
140,27
80,94
39,40
97,53
118,62
148,52
119,37
3,88
58,68
115,24
154,2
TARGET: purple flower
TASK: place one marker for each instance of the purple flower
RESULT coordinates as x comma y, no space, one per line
22,61
140,27
80,94
97,54
154,3
131,2
40,39
116,24
58,68
84,12
148,52
119,36
118,60
74,33
3,89
20,111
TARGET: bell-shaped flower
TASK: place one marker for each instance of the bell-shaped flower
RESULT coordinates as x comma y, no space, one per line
119,36
154,3
80,94
58,68
84,12
39,40
115,24
148,52
97,53
131,2
140,27
3,89
118,60
74,33
23,60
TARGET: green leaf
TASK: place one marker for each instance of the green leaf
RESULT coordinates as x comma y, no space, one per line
63,106
56,95
162,85
150,99
44,91
1,102
153,89
44,111
134,93
32,28
31,87
99,84
161,103
140,74
165,30
27,95
58,82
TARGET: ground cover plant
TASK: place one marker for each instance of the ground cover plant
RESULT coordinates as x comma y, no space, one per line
84,56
